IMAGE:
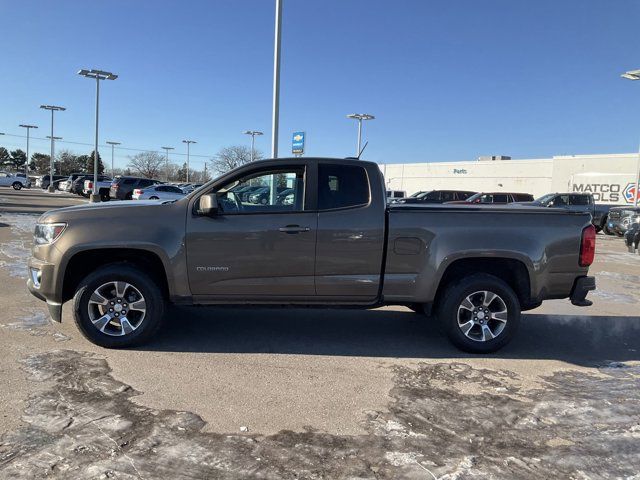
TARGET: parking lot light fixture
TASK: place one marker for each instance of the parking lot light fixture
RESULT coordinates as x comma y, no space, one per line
52,108
188,142
360,117
166,149
253,134
26,164
97,75
634,75
113,144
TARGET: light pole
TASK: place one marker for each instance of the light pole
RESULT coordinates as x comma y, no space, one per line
166,149
113,144
53,109
26,164
188,142
253,134
275,117
97,75
634,75
360,117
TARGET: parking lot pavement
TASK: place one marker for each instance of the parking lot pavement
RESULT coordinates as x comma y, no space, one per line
35,200
289,393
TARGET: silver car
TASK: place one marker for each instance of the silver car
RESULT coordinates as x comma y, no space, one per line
158,192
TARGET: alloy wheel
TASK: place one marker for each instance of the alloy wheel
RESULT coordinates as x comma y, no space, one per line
482,316
117,308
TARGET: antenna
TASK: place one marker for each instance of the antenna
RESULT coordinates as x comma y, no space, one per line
363,147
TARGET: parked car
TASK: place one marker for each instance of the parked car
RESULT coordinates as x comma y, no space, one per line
122,187
285,196
496,198
577,202
632,235
158,192
16,180
103,187
78,185
437,196
65,185
621,218
190,187
393,195
338,244
44,181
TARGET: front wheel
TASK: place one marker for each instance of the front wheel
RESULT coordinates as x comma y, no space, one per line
480,313
17,186
118,306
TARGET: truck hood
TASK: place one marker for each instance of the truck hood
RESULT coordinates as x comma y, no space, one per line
105,210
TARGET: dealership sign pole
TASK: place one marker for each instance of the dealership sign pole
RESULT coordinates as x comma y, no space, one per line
635,75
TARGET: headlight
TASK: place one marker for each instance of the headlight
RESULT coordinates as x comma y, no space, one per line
47,233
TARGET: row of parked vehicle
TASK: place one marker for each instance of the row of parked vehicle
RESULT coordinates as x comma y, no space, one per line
612,220
119,188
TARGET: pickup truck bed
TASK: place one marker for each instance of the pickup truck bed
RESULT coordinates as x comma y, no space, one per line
337,243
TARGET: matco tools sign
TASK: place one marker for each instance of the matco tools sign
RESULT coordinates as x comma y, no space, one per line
297,143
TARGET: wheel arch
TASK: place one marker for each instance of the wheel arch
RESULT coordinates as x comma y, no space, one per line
83,262
511,270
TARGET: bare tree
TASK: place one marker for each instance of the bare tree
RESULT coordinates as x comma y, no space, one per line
148,164
229,158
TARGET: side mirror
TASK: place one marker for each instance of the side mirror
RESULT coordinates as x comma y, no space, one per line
208,205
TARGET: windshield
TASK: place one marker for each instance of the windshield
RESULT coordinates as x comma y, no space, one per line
545,198
474,197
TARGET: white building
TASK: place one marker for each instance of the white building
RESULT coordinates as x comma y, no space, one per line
611,177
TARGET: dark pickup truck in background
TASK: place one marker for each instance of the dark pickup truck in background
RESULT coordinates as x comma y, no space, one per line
336,244
578,202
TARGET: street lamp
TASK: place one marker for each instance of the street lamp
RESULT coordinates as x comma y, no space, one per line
166,149
188,142
634,75
97,75
53,109
26,164
253,134
360,117
113,144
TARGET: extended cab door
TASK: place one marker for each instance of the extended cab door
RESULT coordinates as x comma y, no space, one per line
351,229
258,251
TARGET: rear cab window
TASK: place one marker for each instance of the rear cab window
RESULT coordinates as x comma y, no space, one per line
342,186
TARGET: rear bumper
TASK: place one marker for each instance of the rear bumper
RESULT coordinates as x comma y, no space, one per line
581,287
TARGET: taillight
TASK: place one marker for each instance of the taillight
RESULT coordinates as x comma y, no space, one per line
588,246
137,191
89,185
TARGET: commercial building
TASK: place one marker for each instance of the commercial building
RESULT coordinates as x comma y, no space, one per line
610,178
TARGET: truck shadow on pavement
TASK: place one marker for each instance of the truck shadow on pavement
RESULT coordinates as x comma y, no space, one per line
581,340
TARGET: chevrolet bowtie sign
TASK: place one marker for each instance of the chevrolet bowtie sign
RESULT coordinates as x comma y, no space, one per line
297,143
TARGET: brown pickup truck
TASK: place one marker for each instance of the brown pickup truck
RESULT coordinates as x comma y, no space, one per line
332,241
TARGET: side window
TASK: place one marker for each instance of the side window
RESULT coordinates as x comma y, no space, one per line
486,198
500,198
447,196
463,195
578,199
129,181
252,193
432,196
561,201
158,189
341,186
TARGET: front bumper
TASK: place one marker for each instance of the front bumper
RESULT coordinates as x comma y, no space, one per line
41,285
581,287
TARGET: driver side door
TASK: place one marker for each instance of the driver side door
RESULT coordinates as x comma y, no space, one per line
256,251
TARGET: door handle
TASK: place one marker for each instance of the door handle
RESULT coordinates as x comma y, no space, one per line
293,229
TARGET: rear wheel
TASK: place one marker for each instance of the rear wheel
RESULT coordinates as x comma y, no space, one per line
17,186
118,306
605,228
480,313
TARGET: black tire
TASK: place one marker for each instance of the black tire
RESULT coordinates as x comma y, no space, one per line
104,197
605,228
129,196
451,300
417,308
121,272
17,186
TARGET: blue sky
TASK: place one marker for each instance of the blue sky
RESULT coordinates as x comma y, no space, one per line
447,79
